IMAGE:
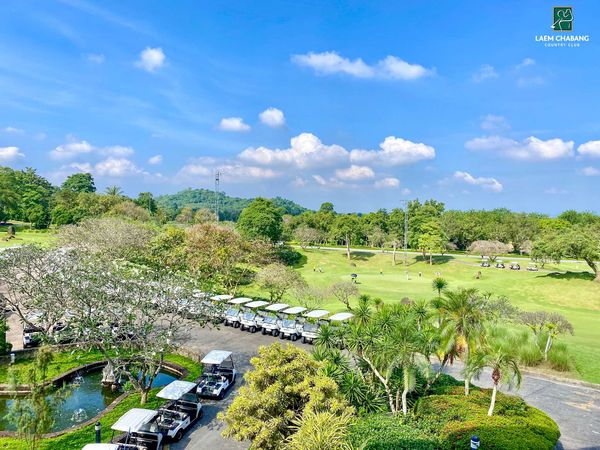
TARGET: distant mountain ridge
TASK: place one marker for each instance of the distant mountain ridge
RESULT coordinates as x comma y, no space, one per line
229,207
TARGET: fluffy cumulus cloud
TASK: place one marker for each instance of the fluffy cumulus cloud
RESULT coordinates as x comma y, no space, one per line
71,149
485,72
354,173
394,151
494,124
272,117
387,183
525,63
235,124
489,184
155,160
590,171
306,150
530,149
590,149
9,154
391,67
116,150
116,167
231,171
151,59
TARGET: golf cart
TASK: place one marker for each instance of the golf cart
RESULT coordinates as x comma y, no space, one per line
218,376
500,264
310,328
291,326
183,409
485,262
272,318
32,336
142,429
221,297
532,267
340,319
233,313
251,318
514,266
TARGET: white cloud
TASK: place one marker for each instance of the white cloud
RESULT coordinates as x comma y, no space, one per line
71,149
320,180
525,82
272,117
117,167
13,130
590,171
306,150
394,151
195,170
235,124
492,123
525,63
231,171
299,182
329,183
8,154
151,59
96,58
490,184
354,173
485,72
116,151
390,67
155,160
530,149
84,167
387,183
590,149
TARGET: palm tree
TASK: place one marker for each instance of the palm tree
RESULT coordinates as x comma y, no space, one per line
504,367
362,312
439,284
421,311
114,191
461,328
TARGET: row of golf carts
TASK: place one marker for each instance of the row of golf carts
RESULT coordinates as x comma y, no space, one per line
512,266
278,319
148,429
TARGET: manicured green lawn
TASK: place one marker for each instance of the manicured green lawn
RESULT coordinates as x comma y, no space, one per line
26,236
77,439
570,292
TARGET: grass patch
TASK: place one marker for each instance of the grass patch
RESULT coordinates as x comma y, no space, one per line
25,236
78,438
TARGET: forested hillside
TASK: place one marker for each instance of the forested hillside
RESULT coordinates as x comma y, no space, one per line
229,207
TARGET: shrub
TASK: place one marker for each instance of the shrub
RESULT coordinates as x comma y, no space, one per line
386,432
455,418
559,357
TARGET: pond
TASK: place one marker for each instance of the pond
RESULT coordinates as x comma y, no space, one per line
83,401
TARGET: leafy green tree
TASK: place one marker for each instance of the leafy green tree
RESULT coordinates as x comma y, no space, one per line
553,324
504,367
346,228
261,220
432,239
277,279
79,182
36,195
9,197
146,200
462,319
284,385
114,190
439,284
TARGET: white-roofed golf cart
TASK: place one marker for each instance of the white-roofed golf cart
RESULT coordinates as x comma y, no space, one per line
251,318
340,317
272,318
233,313
112,447
221,297
310,328
141,428
183,409
291,324
219,374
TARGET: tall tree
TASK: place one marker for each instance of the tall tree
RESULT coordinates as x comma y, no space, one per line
79,182
261,220
9,197
146,200
346,228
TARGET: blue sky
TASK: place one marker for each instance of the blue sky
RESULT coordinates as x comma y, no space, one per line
360,103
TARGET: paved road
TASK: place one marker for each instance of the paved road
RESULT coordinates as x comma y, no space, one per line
575,409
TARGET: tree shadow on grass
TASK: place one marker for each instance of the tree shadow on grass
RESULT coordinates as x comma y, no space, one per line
361,256
301,262
588,276
437,259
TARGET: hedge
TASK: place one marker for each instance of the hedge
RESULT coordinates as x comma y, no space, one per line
386,432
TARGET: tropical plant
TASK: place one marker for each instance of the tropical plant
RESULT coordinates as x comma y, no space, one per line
439,284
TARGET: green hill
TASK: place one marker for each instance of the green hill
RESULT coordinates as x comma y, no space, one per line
229,207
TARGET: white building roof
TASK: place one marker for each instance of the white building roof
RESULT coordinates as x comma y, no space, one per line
316,314
294,310
176,390
239,300
216,357
256,304
133,419
276,307
341,316
221,297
